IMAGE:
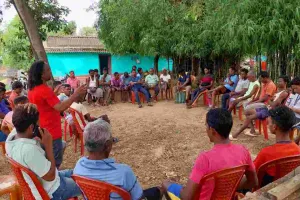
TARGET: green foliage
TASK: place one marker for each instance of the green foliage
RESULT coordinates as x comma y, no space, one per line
67,29
14,46
88,31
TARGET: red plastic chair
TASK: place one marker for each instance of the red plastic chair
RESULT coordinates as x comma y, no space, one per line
282,166
141,96
205,99
26,191
264,124
66,126
241,111
9,185
226,182
94,189
78,128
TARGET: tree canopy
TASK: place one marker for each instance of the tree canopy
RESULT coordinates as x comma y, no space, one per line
211,30
88,31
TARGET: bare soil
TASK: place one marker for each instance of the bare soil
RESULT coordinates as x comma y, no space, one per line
159,142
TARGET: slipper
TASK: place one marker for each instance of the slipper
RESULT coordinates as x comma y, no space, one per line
250,134
232,138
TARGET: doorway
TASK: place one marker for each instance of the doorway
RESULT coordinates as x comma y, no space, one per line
104,62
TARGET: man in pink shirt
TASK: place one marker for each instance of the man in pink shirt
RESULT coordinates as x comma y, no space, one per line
73,81
223,155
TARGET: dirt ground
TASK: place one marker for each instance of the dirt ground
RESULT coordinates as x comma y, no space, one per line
159,142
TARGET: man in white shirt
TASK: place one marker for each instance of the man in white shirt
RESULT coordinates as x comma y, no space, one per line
165,80
151,82
240,90
22,147
293,101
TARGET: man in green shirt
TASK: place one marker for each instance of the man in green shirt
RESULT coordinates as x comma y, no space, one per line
151,82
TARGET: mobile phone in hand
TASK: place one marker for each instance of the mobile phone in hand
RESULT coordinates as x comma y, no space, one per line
36,131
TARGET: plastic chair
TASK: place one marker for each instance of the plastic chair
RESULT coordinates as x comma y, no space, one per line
66,126
18,169
78,128
241,111
264,124
94,189
205,99
282,166
9,185
141,96
225,182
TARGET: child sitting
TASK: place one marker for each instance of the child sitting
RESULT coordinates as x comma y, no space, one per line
17,88
7,124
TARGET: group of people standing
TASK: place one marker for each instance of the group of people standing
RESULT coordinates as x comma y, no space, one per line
102,88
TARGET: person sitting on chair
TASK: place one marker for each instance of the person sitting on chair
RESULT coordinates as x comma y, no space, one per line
94,92
184,83
105,83
280,124
17,88
7,124
126,89
228,86
151,82
116,85
282,93
136,85
65,92
98,142
240,90
165,81
258,108
206,83
293,102
223,155
249,96
23,147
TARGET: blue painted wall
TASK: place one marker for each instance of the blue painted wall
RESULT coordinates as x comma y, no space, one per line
124,63
62,63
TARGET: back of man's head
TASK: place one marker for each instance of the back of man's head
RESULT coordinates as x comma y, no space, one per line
220,120
17,85
283,118
264,74
20,100
24,116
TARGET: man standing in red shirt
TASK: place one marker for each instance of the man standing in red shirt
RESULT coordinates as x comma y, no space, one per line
49,105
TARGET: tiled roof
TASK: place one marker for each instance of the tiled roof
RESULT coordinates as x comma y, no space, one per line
58,44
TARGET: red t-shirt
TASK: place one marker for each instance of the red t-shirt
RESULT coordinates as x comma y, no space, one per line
45,100
275,151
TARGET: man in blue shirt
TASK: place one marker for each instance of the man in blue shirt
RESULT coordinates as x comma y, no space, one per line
136,84
227,87
184,83
98,143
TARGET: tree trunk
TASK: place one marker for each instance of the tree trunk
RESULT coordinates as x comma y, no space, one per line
31,29
156,58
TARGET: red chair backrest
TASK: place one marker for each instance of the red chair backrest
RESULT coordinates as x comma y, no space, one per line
225,182
282,166
26,191
75,120
94,189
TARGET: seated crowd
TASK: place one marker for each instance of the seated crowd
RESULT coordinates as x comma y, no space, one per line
33,129
102,88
